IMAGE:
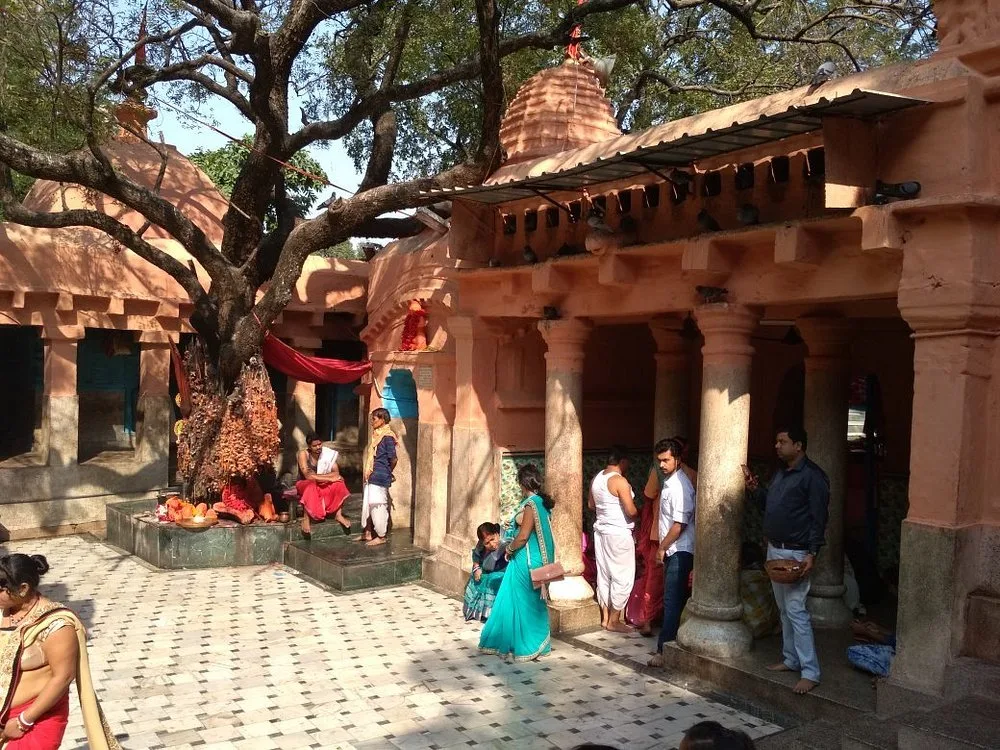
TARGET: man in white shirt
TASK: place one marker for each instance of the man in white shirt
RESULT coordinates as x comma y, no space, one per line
614,547
676,535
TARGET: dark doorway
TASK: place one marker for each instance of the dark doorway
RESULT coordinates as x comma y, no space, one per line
21,388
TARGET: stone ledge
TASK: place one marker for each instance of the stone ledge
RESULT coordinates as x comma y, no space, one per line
131,526
345,565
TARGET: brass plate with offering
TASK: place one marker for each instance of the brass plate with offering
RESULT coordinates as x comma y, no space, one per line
198,523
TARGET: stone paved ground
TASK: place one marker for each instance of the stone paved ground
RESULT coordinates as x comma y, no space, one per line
259,658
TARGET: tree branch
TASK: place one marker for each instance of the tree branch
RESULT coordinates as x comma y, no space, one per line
16,212
383,148
377,101
84,169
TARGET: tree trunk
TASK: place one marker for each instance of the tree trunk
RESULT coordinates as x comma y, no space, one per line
232,430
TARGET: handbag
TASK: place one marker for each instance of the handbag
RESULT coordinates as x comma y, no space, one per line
544,574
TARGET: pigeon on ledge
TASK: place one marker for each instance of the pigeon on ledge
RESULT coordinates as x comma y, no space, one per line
823,73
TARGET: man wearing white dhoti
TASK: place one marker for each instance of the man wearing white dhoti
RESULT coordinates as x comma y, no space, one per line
614,547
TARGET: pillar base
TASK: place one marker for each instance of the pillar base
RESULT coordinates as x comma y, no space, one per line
829,612
571,605
721,639
573,617
570,591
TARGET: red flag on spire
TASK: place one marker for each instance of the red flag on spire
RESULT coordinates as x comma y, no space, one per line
140,51
573,48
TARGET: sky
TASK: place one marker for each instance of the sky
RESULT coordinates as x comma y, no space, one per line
189,136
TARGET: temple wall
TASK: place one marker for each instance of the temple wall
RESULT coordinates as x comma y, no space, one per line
418,388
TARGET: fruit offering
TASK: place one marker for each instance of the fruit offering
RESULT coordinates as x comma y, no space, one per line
179,508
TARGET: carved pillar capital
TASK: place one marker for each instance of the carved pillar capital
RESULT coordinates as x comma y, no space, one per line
828,342
727,329
565,340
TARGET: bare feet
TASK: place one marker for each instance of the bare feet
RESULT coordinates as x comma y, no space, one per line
646,631
306,525
619,627
345,522
375,542
803,686
780,667
366,537
656,660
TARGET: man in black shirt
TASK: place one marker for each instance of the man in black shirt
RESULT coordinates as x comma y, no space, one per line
795,514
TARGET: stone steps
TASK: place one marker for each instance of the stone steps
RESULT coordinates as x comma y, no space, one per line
132,527
972,723
816,735
348,565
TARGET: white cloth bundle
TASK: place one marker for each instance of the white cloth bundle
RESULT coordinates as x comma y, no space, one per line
327,458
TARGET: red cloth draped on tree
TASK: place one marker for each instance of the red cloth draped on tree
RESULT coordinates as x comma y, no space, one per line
284,358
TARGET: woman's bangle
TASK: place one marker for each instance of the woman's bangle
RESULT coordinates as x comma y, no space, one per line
23,723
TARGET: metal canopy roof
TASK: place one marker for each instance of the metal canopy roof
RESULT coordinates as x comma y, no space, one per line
689,148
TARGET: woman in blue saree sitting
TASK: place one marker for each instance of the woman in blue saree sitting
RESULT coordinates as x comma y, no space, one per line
489,560
518,627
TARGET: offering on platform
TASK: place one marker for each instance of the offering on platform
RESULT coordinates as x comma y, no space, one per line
185,513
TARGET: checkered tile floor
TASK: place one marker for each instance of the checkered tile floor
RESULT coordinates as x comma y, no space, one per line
258,658
633,646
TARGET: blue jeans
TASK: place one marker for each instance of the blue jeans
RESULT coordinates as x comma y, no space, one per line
676,572
798,649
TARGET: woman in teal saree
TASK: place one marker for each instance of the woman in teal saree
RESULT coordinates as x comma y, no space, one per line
518,627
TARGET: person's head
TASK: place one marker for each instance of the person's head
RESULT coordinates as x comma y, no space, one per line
683,441
19,576
489,536
380,418
669,455
314,443
711,735
529,479
790,443
618,456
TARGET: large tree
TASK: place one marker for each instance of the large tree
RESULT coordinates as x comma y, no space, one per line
414,88
251,55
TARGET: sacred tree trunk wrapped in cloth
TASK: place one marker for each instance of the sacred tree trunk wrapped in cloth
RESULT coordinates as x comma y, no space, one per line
229,436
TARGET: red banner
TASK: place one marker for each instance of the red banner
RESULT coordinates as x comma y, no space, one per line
283,358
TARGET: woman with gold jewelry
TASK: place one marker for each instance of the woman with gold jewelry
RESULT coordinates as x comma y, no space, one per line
43,648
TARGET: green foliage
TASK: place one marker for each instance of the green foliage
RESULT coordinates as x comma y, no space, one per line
345,250
45,60
670,63
222,165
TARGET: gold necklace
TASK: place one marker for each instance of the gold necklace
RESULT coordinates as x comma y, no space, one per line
24,613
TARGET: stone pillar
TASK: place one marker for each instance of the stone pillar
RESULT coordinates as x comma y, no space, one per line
301,411
949,294
715,627
572,598
670,405
62,403
155,408
946,551
435,391
474,487
827,396
298,419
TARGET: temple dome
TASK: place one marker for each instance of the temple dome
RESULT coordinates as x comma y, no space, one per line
557,109
183,184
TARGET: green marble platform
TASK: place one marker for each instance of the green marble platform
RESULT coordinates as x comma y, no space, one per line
132,526
348,565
